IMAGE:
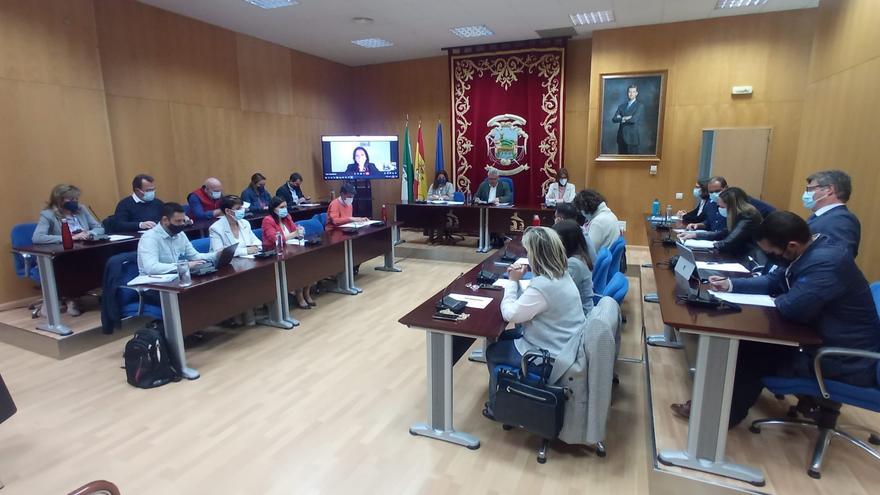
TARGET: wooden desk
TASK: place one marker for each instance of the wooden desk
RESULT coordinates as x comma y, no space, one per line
363,245
719,334
485,323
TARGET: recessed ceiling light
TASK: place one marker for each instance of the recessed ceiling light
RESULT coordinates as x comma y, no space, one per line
362,20
272,4
471,31
372,43
595,17
733,4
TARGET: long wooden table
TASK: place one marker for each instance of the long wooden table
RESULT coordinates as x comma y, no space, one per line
441,337
480,218
248,283
719,334
73,272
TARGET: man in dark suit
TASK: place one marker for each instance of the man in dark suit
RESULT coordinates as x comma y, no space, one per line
629,116
825,195
493,191
292,192
821,287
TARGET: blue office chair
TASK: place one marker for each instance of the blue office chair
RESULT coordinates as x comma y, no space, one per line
119,301
202,244
25,264
312,227
600,270
509,182
617,249
458,196
258,233
321,218
617,287
830,396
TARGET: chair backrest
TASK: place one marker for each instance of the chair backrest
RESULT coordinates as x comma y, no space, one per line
311,227
321,218
509,182
617,287
258,233
875,291
21,235
202,244
600,270
458,196
617,248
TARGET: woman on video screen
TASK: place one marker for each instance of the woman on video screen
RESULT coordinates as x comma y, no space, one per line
361,163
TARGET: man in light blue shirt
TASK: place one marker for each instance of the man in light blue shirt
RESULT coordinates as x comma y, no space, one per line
161,246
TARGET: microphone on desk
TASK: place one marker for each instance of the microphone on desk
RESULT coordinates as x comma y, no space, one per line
450,303
506,257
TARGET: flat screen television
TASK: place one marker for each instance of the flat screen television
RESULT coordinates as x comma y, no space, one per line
360,157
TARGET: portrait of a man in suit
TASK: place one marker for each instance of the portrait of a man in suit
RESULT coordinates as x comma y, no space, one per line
631,116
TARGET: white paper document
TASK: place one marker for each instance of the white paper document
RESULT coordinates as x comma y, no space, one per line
119,237
682,231
722,267
357,225
699,244
475,302
521,261
153,279
310,204
747,299
296,242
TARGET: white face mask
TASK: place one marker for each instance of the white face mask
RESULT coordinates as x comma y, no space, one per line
563,182
348,201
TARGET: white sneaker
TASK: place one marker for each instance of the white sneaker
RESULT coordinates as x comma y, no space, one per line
73,308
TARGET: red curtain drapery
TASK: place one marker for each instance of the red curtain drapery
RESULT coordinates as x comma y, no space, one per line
507,113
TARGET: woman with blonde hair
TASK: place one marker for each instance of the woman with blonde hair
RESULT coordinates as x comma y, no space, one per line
549,311
743,221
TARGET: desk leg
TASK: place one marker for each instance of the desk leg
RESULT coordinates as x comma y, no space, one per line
439,425
174,333
279,310
668,339
710,413
349,266
485,239
345,280
50,298
395,233
389,260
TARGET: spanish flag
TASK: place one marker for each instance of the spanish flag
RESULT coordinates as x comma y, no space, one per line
420,182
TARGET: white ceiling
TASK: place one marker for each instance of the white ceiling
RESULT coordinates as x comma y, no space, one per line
420,28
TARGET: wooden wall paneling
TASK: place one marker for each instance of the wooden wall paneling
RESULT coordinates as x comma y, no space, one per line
576,111
264,76
51,41
846,36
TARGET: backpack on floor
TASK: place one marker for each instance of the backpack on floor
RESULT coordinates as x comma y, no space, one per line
148,361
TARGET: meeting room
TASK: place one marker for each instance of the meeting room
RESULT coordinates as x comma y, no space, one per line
353,246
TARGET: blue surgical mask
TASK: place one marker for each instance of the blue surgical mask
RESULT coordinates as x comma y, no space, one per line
713,197
282,213
239,214
216,194
722,212
149,196
809,199
698,193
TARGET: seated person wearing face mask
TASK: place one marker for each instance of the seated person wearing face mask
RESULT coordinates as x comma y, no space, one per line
567,211
493,191
742,222
278,221
560,191
340,210
698,214
292,191
64,205
821,287
256,194
160,247
825,196
602,225
204,202
232,228
140,211
441,189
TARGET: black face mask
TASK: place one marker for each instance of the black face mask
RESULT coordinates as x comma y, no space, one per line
175,229
71,206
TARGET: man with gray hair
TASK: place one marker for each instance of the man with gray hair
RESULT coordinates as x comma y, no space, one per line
493,191
826,193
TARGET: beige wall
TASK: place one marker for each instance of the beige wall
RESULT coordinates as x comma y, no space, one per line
94,92
771,52
840,118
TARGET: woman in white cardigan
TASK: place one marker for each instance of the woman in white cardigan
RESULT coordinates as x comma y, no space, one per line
560,191
602,225
232,228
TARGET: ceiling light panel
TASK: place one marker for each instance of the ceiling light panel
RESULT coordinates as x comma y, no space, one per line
471,31
372,43
272,4
735,4
595,17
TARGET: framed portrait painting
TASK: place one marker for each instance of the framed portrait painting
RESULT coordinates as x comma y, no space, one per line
631,115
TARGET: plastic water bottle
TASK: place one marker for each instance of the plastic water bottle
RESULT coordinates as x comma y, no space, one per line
536,221
332,194
66,236
668,213
183,276
279,244
655,208
467,197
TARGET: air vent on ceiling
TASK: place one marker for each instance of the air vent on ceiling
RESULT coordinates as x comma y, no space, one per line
557,32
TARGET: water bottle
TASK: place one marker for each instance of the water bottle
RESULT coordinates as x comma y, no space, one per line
655,208
668,213
332,195
279,244
467,197
66,236
536,221
384,214
183,275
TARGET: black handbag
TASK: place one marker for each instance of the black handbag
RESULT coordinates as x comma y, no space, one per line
529,403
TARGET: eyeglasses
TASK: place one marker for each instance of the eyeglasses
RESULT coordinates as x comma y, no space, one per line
813,188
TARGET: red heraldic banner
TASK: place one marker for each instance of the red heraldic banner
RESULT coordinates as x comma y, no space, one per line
507,109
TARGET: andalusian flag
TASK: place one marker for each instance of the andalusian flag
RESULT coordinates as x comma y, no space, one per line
406,183
420,183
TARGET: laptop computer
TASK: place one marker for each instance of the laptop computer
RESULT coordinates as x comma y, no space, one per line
224,258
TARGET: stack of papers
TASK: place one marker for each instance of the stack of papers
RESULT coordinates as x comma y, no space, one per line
153,279
722,267
310,204
118,237
475,302
747,299
698,244
682,231
357,225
